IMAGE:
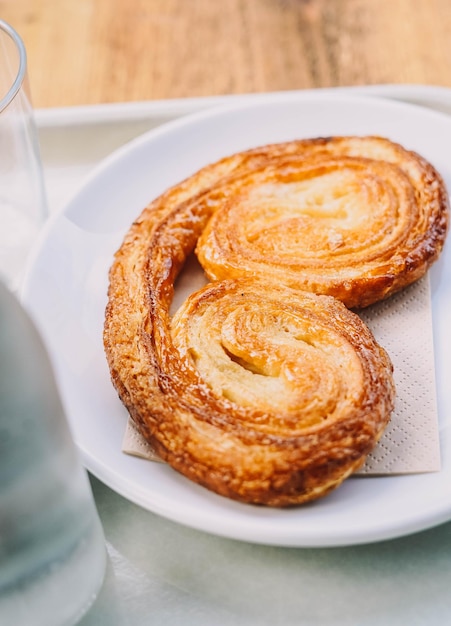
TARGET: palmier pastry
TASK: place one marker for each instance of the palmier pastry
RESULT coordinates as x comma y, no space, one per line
257,391
358,218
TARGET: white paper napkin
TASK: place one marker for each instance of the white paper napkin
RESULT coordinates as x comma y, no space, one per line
410,444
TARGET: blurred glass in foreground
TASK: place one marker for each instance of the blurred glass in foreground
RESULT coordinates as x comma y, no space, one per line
22,195
52,551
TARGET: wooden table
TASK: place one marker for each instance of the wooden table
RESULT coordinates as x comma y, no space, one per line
98,51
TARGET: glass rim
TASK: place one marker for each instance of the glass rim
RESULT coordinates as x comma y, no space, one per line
21,72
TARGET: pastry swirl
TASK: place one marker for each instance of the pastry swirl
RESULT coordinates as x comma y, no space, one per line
358,218
299,387
257,391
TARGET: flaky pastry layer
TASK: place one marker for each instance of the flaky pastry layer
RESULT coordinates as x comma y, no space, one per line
358,218
258,391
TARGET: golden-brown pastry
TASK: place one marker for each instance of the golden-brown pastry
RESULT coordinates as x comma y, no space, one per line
259,392
358,218
290,391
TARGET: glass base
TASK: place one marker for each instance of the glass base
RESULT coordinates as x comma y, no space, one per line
64,592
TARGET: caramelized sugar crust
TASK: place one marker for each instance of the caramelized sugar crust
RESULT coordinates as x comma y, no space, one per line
258,391
358,218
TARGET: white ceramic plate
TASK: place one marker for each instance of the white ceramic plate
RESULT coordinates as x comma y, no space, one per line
65,289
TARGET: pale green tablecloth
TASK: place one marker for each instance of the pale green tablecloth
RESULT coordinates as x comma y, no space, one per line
160,572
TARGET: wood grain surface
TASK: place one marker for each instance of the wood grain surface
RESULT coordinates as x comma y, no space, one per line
97,51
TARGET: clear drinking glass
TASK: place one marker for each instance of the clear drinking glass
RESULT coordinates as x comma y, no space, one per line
22,192
52,549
